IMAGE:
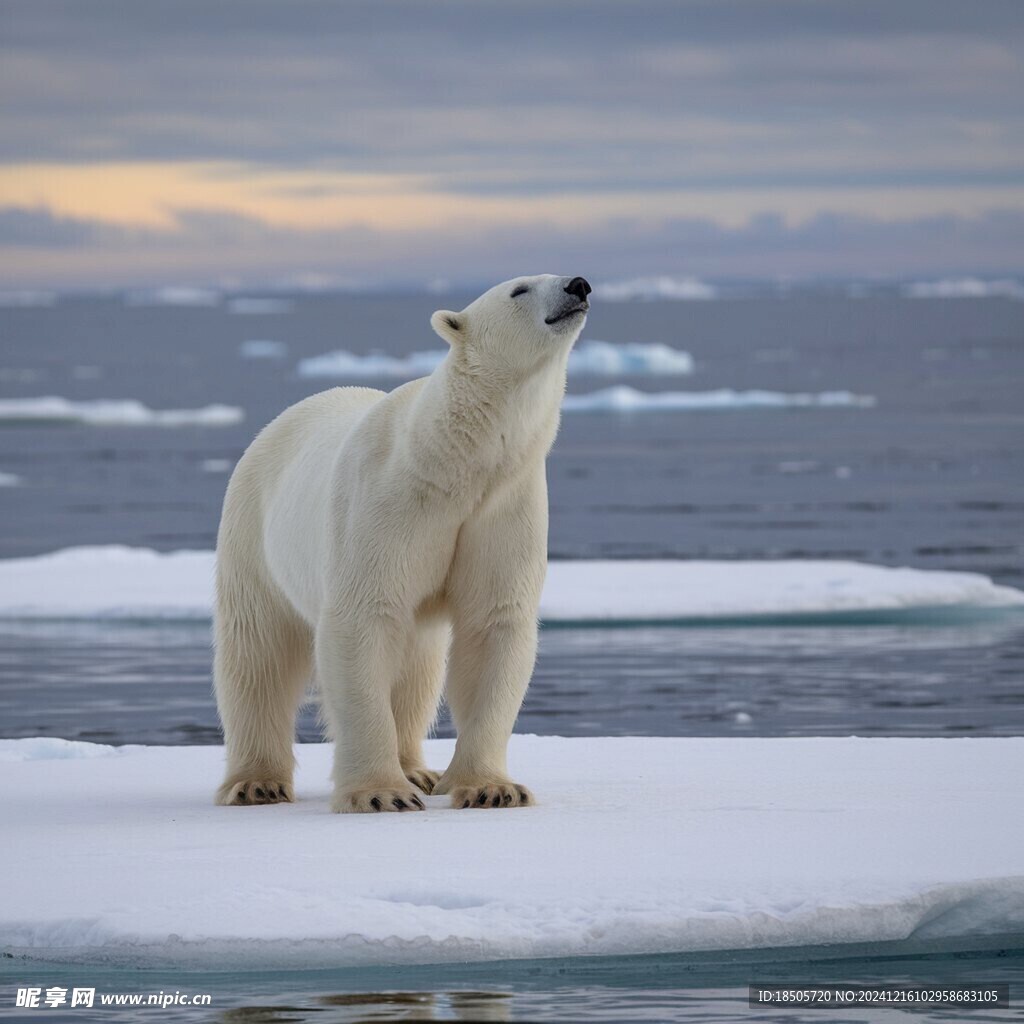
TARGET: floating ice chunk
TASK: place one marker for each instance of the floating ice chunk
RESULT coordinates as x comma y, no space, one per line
216,465
590,358
107,413
661,287
964,288
9,479
173,295
142,584
604,359
260,348
627,399
376,364
250,306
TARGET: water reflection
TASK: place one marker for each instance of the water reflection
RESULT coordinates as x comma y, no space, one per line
382,1006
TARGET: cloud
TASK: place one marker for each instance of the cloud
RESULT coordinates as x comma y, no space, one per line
206,247
470,118
38,228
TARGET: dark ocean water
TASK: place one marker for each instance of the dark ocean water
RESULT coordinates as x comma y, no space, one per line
931,476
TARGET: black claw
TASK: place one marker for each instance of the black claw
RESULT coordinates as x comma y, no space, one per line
465,803
496,800
482,799
260,793
241,798
418,802
399,803
507,799
375,804
522,796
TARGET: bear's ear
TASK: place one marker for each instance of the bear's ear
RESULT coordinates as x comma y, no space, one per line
450,326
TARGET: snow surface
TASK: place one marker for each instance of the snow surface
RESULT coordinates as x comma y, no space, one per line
114,413
637,845
964,288
589,358
138,583
660,287
627,399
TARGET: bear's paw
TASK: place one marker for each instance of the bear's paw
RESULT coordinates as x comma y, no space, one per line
423,779
376,800
255,791
497,794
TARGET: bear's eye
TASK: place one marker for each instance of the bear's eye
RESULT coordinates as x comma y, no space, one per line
521,290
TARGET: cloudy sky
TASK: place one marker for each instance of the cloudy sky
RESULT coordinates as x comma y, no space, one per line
248,142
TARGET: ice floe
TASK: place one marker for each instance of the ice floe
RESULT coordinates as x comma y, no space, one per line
964,288
262,348
657,287
622,398
587,359
113,413
138,583
173,295
244,305
637,845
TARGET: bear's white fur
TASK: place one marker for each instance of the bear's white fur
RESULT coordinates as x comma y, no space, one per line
371,539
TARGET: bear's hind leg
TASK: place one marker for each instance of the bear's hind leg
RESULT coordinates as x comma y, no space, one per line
262,664
415,697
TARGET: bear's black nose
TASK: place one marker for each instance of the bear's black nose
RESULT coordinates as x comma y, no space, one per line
579,287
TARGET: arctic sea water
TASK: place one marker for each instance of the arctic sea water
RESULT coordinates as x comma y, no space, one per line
920,464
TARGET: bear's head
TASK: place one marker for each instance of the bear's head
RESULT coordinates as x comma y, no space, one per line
519,323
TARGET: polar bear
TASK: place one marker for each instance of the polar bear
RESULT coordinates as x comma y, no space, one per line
375,540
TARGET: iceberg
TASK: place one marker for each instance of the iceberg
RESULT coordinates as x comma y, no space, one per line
141,584
114,413
626,399
637,845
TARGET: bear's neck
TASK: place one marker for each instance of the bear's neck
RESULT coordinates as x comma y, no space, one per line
479,424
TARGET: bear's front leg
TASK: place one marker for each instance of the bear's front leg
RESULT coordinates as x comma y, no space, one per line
358,661
488,673
494,592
